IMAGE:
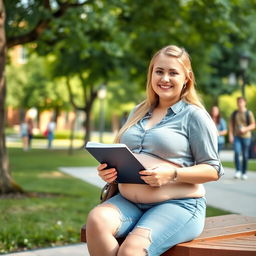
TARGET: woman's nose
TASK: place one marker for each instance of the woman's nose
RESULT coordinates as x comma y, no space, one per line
165,78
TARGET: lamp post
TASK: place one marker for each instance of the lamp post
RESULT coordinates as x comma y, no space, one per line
243,63
102,93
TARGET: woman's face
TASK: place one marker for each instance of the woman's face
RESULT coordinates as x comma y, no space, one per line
215,111
168,77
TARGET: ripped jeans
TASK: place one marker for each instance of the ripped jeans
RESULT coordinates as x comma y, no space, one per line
170,222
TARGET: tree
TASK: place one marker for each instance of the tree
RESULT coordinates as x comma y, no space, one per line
7,184
93,60
26,22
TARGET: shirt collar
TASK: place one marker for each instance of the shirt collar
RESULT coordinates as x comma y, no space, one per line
177,107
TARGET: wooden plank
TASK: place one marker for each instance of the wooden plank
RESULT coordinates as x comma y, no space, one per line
240,246
227,232
83,234
228,220
206,252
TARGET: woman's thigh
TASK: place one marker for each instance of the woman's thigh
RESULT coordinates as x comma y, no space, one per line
129,214
173,222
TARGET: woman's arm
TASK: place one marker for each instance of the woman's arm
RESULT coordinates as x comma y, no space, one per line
197,174
165,174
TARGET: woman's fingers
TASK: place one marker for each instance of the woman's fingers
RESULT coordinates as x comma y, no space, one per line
101,167
108,175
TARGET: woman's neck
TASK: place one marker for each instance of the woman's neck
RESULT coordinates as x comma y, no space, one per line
165,104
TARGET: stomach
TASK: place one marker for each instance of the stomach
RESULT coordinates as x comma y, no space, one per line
142,193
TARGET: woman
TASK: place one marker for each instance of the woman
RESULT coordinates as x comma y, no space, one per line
173,136
221,126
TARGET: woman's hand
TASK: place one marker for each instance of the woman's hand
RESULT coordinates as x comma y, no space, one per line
158,175
108,175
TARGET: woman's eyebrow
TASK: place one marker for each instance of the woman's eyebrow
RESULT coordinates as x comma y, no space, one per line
170,69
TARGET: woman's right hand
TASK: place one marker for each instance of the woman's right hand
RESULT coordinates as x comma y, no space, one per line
108,175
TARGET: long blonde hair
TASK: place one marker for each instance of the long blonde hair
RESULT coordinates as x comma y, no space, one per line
188,93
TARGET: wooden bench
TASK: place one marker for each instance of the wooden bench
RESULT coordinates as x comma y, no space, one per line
227,235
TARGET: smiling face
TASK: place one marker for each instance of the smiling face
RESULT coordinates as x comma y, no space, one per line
167,79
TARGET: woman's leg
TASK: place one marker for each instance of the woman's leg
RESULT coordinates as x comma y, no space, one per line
102,223
245,153
114,218
25,142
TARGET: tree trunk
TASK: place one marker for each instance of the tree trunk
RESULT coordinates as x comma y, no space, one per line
87,125
72,135
7,184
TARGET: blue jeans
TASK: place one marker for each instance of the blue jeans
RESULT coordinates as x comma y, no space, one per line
220,146
170,222
241,146
50,137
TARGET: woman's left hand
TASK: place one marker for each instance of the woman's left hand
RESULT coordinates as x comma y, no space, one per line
158,175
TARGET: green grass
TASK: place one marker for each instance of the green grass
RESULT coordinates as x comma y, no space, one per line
56,215
251,164
58,205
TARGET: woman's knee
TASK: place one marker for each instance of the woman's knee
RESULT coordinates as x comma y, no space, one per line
103,218
136,243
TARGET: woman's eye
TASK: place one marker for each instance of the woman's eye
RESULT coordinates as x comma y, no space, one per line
159,72
173,73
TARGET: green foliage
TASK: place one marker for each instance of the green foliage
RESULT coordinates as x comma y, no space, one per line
251,164
228,103
30,86
111,42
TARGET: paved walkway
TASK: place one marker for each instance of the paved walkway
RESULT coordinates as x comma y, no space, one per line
237,196
69,250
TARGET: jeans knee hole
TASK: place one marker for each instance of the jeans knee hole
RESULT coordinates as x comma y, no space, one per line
139,231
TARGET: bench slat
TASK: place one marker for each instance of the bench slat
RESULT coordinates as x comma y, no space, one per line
228,220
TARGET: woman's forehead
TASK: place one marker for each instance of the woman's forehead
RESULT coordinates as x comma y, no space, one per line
167,62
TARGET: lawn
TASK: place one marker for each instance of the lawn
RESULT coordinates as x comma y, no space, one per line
56,204
251,164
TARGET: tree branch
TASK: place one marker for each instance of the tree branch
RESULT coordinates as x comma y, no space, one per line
42,24
71,96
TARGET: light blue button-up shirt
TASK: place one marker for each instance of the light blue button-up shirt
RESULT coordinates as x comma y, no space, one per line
186,136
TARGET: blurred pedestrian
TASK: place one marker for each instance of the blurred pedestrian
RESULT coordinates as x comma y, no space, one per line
50,132
221,126
242,122
30,132
24,134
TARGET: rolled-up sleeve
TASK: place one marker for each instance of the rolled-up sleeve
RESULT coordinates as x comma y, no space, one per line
203,140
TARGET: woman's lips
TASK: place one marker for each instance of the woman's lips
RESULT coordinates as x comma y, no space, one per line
165,86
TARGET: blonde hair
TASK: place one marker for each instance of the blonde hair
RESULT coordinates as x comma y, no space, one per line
188,93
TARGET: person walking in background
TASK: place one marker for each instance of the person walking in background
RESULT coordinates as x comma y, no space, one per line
241,123
30,132
221,126
24,134
50,132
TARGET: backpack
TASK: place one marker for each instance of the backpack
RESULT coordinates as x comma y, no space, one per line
247,117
